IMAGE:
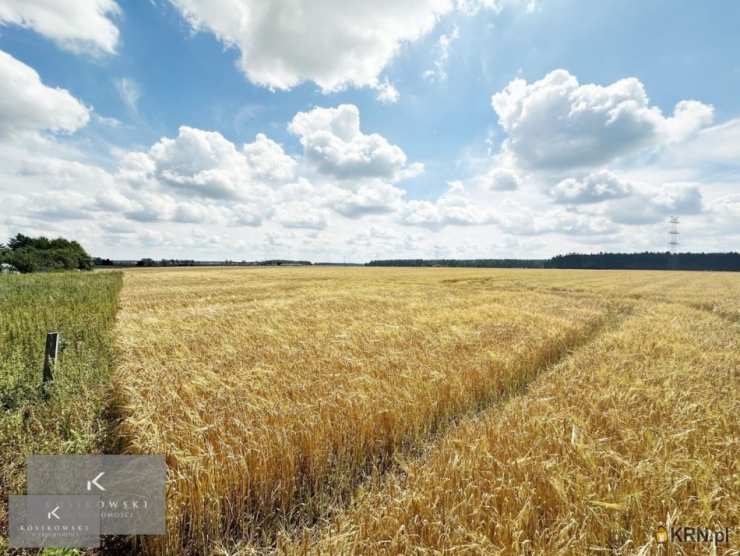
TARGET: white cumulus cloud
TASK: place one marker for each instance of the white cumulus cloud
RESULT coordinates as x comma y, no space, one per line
370,198
268,161
76,25
333,142
593,188
650,207
453,208
335,44
204,163
518,219
725,213
387,93
27,105
499,179
302,215
556,123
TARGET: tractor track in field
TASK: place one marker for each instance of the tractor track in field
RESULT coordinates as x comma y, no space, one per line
313,510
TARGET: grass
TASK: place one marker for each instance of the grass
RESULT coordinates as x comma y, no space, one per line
82,307
637,429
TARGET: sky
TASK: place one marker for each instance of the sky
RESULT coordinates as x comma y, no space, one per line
347,130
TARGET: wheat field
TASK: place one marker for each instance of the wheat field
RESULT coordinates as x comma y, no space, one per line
637,429
345,410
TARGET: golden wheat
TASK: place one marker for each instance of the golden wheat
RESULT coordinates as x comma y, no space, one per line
274,392
268,387
639,428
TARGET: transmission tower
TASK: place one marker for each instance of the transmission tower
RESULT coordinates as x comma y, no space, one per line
673,235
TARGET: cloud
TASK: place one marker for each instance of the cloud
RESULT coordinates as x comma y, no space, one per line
679,198
199,177
453,208
111,199
267,160
333,143
646,207
118,226
335,44
27,105
521,220
75,25
59,205
689,117
380,242
205,164
154,206
106,121
499,179
302,216
200,162
439,73
250,214
345,183
715,145
199,213
593,188
130,93
556,123
725,214
472,7
387,93
147,206
369,198
60,173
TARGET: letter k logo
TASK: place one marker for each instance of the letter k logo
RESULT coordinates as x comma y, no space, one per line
95,482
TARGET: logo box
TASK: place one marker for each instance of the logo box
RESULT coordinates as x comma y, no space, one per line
61,521
130,489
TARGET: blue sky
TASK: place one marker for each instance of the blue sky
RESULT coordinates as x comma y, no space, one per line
586,161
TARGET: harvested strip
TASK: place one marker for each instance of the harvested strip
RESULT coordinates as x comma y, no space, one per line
636,429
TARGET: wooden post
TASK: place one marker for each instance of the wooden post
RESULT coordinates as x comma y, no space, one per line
50,356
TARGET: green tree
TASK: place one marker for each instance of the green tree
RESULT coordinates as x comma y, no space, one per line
41,254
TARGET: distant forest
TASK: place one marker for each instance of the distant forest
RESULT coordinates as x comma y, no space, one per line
147,262
648,261
602,261
473,263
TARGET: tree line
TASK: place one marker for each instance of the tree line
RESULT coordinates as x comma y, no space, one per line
603,261
648,261
472,263
41,254
149,262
